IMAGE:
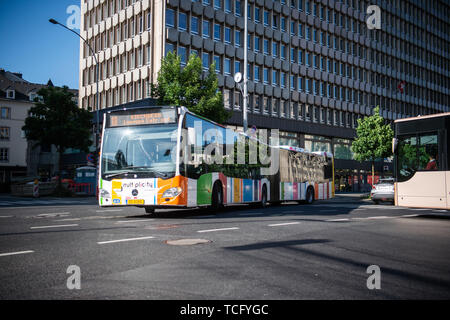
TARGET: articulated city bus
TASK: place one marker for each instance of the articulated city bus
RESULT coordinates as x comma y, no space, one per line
168,157
422,165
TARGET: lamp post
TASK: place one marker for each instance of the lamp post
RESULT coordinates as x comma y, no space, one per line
97,105
244,107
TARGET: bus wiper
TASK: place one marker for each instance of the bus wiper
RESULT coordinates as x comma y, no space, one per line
117,174
162,174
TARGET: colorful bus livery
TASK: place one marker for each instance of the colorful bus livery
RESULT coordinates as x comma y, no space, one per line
160,157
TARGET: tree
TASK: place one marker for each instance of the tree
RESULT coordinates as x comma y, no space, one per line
374,139
57,120
187,86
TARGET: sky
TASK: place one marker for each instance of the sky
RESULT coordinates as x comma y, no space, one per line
36,48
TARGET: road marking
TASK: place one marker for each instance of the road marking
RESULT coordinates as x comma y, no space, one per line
409,215
440,211
141,220
415,209
124,240
69,219
108,210
373,218
337,220
52,215
14,253
282,224
213,230
55,226
6,216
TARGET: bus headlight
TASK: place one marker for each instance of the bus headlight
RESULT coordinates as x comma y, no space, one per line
104,193
172,192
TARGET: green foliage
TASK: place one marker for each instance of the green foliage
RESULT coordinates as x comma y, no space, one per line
188,87
374,138
58,121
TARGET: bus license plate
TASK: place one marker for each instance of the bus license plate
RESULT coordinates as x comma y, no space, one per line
135,201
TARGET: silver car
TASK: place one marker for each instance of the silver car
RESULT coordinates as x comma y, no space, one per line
383,190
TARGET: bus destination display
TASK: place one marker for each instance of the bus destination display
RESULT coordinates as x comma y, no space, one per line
147,117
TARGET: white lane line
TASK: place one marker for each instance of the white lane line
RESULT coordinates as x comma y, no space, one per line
6,216
337,220
51,215
14,253
55,226
108,210
282,224
213,230
409,215
125,240
141,220
416,209
69,219
440,211
373,218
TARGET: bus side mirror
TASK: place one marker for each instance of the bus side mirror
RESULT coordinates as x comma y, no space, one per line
394,144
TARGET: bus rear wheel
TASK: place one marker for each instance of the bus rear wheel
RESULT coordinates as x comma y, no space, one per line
217,197
150,211
309,195
263,203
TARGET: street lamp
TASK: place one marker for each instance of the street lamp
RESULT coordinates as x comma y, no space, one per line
96,79
238,76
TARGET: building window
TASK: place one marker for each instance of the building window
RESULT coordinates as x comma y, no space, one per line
205,60
227,35
217,32
237,66
237,38
226,98
170,18
217,63
206,29
194,25
182,21
4,154
4,133
6,113
256,103
183,55
10,94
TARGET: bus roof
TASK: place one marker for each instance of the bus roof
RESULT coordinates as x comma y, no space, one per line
444,114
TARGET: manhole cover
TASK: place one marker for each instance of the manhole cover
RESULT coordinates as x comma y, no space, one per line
186,242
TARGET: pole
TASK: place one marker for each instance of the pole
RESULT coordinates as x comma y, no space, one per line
244,107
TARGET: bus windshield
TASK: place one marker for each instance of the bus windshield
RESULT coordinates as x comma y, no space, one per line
139,152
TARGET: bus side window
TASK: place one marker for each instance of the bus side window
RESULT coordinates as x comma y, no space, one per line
428,152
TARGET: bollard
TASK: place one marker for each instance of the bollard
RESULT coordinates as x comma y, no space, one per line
36,188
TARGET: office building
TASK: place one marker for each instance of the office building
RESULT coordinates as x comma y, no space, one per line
314,67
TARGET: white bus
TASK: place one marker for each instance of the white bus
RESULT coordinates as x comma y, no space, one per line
422,165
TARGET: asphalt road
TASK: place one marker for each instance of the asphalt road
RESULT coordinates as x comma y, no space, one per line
289,251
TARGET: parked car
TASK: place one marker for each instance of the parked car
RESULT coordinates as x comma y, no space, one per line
383,190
